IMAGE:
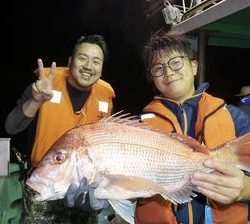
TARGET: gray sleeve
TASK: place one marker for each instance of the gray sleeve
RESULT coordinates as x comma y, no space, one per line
16,120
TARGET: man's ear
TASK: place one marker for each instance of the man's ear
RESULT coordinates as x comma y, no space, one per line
194,65
69,61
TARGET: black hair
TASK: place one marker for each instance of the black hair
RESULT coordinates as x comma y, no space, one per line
168,42
93,39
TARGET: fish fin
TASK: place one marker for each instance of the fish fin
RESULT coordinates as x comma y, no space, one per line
120,187
121,117
130,120
191,142
125,209
182,196
240,147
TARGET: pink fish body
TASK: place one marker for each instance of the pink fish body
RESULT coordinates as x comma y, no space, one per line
128,160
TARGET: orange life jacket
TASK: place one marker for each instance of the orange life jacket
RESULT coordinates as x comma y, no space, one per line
54,119
213,119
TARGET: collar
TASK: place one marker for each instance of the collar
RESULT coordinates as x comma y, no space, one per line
192,101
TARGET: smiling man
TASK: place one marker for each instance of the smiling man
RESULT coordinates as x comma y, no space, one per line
179,107
62,98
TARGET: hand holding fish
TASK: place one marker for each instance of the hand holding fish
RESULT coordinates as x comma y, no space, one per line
83,197
225,185
42,88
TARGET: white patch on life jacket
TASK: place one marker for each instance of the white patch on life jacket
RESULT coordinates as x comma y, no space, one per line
103,106
146,116
57,95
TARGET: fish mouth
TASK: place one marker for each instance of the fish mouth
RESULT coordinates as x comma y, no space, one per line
44,195
44,192
36,188
33,191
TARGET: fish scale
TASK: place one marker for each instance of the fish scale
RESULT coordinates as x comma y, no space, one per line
162,173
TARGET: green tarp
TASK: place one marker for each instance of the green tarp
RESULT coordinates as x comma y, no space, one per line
11,196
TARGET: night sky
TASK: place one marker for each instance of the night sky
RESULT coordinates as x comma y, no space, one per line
48,29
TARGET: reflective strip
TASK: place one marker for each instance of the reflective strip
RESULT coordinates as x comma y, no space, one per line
145,116
208,215
103,106
190,213
185,121
57,95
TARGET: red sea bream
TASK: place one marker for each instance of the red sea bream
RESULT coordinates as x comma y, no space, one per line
129,160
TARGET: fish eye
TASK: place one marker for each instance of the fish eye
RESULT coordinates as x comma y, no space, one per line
59,156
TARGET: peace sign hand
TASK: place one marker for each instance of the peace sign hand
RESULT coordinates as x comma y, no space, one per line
42,88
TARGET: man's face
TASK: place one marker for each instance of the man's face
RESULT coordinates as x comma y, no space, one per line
176,85
86,66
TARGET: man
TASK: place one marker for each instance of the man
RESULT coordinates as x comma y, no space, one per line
179,107
62,98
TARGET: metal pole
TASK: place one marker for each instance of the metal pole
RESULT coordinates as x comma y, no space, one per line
202,42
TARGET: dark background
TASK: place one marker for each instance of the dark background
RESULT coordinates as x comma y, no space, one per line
48,29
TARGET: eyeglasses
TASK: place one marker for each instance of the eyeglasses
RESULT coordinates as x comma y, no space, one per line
175,63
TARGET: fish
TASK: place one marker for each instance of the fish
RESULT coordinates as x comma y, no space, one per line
127,160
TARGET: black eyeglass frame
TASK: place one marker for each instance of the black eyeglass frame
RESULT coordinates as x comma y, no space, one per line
167,64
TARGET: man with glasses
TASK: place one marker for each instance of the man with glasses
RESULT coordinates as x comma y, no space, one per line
179,107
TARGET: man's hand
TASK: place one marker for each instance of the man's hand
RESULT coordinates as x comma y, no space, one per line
42,88
225,185
83,197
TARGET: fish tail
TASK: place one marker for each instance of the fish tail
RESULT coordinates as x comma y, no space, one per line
235,152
